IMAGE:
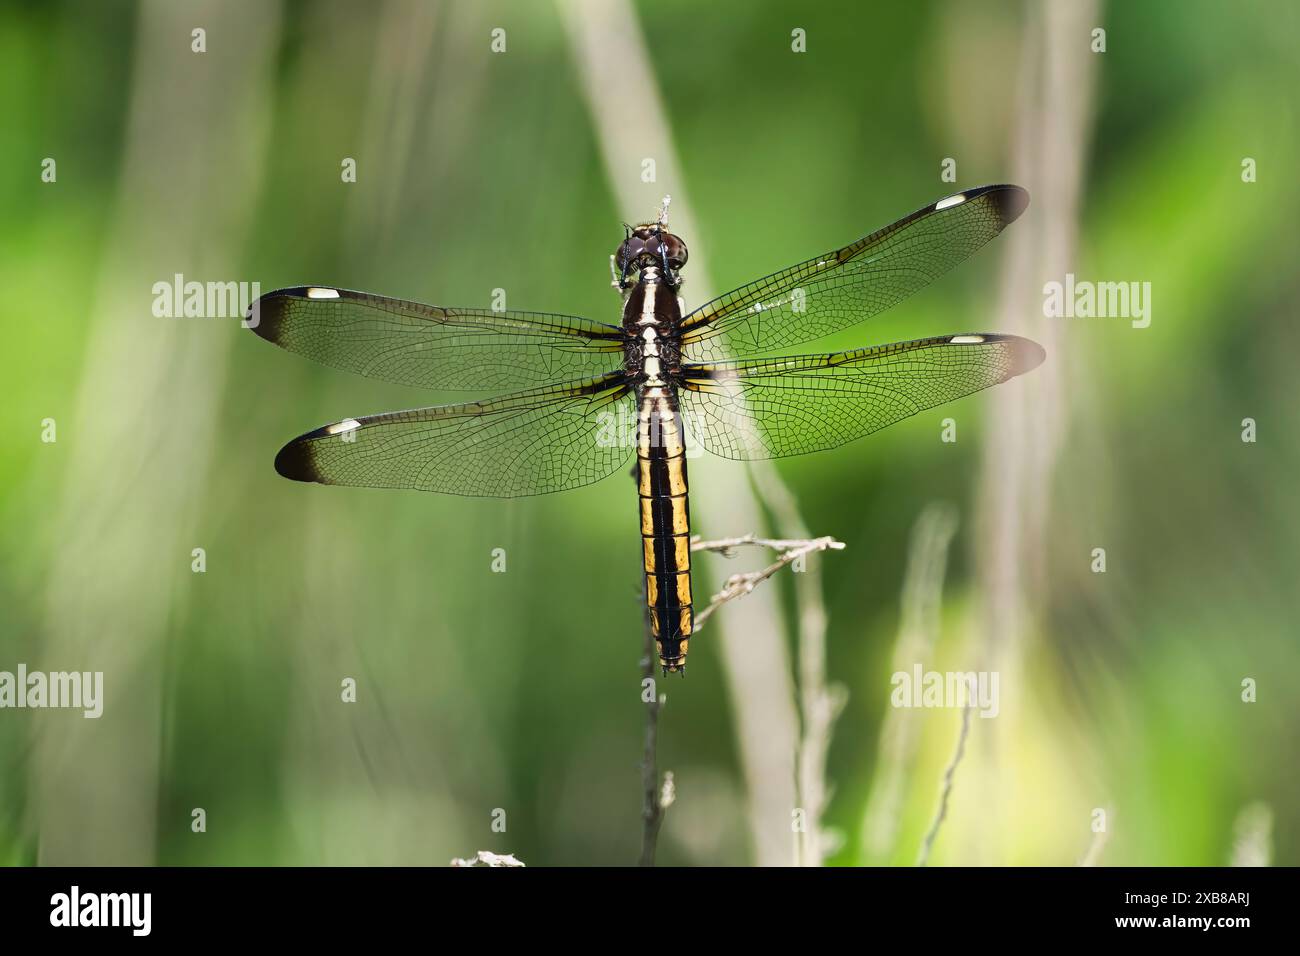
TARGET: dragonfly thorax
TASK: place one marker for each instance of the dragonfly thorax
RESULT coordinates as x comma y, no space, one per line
651,321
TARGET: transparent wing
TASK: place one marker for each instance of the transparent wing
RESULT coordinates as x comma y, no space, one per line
528,443
425,345
836,290
771,408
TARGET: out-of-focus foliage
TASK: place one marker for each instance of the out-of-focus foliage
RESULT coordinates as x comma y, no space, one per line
519,691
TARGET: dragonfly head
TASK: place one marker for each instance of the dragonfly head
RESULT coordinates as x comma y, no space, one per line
650,245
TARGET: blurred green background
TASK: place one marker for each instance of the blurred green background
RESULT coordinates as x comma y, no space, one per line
520,691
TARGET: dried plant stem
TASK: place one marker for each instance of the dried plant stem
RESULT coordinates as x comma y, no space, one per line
123,623
820,705
948,775
488,858
741,584
918,635
1253,845
820,702
614,68
727,546
656,796
1050,146
652,807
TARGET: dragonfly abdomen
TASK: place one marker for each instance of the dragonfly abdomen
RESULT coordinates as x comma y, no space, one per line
665,523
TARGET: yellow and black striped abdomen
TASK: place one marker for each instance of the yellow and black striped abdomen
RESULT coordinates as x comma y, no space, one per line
665,524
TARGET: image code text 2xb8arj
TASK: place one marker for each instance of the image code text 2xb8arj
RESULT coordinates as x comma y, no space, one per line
667,372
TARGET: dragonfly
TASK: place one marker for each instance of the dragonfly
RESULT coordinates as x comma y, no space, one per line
588,395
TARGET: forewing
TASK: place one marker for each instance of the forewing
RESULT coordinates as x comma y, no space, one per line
836,290
528,443
433,347
771,408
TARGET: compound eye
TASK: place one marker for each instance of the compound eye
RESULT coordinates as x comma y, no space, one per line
677,253
627,252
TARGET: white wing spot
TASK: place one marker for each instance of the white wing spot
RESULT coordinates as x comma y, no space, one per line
966,340
314,293
345,426
956,200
